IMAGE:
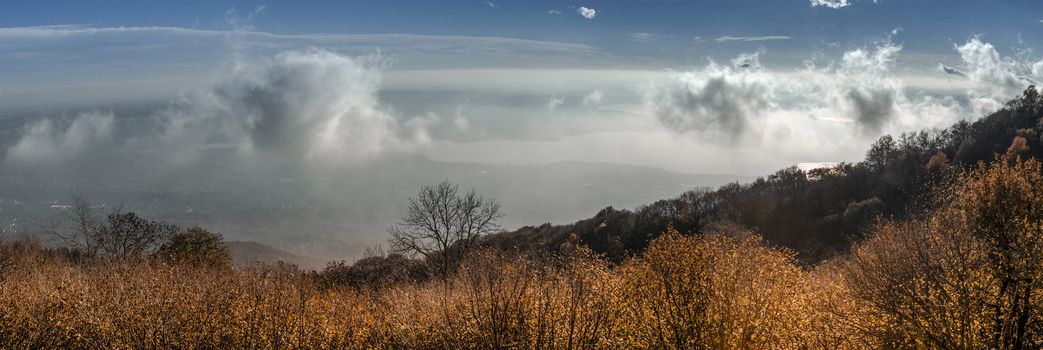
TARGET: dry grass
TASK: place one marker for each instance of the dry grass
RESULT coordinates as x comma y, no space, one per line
495,301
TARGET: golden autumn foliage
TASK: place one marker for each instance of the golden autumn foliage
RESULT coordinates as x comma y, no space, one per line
717,291
966,275
686,292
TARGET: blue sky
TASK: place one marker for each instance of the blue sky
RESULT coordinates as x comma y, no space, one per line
929,24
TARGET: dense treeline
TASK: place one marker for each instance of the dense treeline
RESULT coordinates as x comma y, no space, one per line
818,213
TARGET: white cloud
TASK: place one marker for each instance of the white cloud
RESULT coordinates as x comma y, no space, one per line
587,13
593,100
78,30
998,78
748,60
835,4
491,4
554,103
877,61
460,121
865,90
553,12
49,140
313,104
718,102
725,38
985,64
856,97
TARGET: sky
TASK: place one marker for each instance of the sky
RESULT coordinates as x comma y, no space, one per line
335,87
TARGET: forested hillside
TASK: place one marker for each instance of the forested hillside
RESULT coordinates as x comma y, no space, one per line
817,213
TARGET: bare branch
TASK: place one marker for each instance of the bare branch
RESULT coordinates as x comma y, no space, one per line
442,226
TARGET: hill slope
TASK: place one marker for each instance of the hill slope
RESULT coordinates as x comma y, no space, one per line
817,213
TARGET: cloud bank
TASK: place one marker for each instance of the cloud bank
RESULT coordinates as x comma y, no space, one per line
718,101
50,140
313,104
857,96
310,106
322,106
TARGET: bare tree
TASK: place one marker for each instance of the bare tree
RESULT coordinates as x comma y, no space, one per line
126,235
443,226
83,235
119,235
